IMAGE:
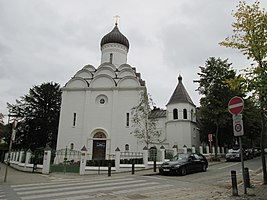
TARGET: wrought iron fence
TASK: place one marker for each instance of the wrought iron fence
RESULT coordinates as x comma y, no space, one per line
169,153
66,160
153,154
67,155
131,157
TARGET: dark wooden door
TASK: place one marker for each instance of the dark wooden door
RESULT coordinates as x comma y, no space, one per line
99,149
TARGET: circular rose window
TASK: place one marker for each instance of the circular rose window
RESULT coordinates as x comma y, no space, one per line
101,100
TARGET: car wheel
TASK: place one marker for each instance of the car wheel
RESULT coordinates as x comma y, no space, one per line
183,171
204,168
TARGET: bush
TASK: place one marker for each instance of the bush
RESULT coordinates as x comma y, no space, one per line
102,163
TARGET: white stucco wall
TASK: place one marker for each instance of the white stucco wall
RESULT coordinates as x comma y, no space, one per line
72,102
119,53
92,116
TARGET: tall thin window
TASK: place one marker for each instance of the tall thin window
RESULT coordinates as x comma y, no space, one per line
127,119
111,57
71,146
175,113
127,147
74,119
185,113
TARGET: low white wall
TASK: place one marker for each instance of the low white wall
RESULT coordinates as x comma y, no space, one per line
25,168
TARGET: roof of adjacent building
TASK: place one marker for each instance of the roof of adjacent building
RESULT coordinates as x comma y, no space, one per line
157,113
180,94
115,36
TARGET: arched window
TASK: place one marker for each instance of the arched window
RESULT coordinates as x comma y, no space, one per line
127,147
71,146
99,135
185,113
175,113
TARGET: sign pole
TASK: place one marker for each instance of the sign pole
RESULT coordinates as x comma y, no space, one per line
235,107
242,163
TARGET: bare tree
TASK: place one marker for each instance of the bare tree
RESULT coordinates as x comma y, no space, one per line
145,127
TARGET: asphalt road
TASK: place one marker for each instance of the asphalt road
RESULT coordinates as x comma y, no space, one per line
219,174
213,184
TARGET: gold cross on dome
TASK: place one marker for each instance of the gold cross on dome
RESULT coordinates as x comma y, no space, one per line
117,17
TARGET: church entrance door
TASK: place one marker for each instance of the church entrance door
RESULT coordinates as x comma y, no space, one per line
99,149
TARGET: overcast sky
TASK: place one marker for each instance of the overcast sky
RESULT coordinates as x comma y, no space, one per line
43,41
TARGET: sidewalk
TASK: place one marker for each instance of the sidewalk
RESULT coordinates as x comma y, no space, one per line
258,191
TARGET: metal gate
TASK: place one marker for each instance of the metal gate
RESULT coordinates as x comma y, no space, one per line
66,160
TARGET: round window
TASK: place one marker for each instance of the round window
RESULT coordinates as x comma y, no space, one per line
102,101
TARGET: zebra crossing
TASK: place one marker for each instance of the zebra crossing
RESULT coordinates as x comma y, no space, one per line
81,189
2,194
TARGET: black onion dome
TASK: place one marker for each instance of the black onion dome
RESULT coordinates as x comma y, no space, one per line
115,36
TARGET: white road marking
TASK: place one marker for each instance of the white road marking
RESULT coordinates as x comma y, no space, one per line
228,166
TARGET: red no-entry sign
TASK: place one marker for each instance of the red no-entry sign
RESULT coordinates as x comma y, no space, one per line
236,105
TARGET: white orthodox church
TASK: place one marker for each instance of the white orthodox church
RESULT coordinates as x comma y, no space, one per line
97,102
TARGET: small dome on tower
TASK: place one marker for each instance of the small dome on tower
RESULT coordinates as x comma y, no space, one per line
115,36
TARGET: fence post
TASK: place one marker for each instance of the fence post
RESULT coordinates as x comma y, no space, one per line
28,157
223,150
185,148
162,151
200,149
213,150
21,154
17,156
117,159
218,150
174,148
207,149
83,161
11,156
145,157
46,160
193,149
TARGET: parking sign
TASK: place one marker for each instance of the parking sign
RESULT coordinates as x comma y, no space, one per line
238,125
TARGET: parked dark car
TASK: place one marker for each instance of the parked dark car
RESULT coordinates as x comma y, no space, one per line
256,151
182,164
234,154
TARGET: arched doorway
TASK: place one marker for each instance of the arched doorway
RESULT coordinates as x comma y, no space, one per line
99,146
153,153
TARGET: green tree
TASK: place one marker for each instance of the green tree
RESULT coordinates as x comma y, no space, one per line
252,123
145,127
250,37
216,95
39,116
